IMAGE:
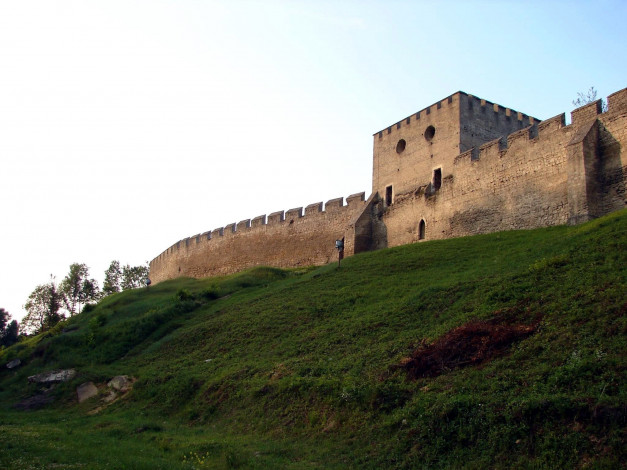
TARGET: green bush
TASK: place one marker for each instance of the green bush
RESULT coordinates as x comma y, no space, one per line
183,295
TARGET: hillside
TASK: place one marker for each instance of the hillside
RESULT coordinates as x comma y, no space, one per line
505,350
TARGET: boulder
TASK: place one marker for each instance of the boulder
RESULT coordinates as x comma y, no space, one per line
53,376
86,391
13,364
120,383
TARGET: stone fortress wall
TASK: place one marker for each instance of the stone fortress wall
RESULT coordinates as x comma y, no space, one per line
545,173
462,166
283,239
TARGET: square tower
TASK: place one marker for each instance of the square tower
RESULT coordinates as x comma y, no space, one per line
421,148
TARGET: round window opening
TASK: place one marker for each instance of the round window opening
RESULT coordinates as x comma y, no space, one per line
400,146
429,133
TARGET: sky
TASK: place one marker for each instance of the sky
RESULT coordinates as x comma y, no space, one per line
126,126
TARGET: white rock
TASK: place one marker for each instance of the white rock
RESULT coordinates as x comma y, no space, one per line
14,363
120,383
53,376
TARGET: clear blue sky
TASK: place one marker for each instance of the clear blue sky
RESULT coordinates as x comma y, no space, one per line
126,126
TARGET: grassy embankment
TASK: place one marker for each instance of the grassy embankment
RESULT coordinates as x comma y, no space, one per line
304,368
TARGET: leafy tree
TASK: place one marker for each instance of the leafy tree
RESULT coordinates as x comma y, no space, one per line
9,330
11,333
4,318
113,278
43,307
134,276
77,289
90,292
589,97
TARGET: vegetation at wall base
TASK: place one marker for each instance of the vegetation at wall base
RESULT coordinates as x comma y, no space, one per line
504,350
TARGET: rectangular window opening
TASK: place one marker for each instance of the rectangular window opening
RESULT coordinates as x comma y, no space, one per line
437,178
388,195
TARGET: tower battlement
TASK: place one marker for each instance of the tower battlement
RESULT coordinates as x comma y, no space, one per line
472,102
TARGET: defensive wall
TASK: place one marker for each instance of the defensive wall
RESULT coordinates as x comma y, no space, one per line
434,136
545,173
283,239
459,167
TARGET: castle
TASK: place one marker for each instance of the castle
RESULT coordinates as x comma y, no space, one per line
459,167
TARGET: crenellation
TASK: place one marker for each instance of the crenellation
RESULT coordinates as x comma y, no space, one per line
243,225
617,102
206,235
516,137
354,198
293,214
218,232
417,115
313,209
585,113
464,157
276,218
334,204
492,149
548,126
230,228
258,221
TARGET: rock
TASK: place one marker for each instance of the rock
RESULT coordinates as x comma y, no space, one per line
110,397
86,391
120,383
53,376
13,364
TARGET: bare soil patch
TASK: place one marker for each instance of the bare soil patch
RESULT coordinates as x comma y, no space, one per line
470,344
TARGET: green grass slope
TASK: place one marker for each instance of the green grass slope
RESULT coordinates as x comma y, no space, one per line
316,368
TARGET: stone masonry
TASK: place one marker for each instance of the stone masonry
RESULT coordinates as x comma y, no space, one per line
459,167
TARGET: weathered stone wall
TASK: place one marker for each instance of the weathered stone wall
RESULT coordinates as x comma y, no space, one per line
482,121
613,149
405,169
514,183
545,174
282,239
407,153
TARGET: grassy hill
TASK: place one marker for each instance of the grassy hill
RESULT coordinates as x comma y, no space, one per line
496,351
